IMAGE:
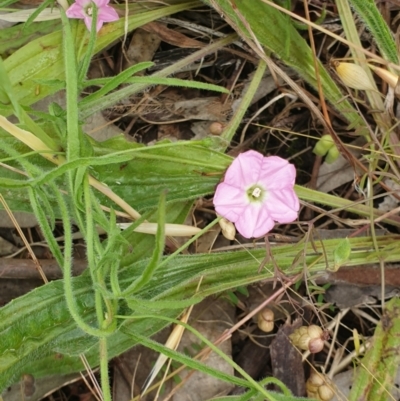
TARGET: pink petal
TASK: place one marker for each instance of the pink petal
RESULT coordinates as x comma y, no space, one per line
82,3
101,3
75,11
244,170
107,14
229,201
255,219
277,173
283,206
88,22
99,24
254,222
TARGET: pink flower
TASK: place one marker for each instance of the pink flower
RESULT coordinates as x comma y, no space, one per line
257,191
83,9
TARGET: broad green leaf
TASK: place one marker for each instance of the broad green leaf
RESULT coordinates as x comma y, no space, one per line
17,36
36,326
341,254
188,171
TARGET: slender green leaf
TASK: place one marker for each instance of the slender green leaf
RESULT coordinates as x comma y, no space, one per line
276,33
377,26
148,272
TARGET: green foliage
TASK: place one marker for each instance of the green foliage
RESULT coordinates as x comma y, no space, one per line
42,58
324,144
130,290
373,19
378,369
44,310
284,41
341,254
15,37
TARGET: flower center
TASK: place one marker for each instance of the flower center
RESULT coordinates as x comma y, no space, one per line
255,193
89,10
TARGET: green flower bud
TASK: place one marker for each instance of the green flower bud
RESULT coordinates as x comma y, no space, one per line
332,155
323,146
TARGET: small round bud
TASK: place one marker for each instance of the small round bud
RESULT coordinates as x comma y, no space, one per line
323,146
266,320
319,386
228,229
332,155
216,128
316,345
308,338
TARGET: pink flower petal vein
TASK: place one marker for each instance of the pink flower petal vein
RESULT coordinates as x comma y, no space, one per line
256,192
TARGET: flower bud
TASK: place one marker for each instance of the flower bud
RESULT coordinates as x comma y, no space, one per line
323,146
266,320
308,338
173,230
386,75
332,155
319,386
228,229
353,76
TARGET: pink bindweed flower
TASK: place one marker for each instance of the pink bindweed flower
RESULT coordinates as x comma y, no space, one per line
256,192
83,9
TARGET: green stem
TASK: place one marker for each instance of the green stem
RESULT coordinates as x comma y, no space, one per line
45,226
105,378
71,79
67,267
89,49
233,125
193,239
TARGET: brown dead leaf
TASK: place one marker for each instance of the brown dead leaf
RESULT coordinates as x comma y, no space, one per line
142,47
172,37
286,360
210,109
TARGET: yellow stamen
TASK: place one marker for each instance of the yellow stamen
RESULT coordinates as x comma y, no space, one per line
256,192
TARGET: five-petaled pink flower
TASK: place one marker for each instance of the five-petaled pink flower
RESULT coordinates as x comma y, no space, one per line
257,191
83,9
